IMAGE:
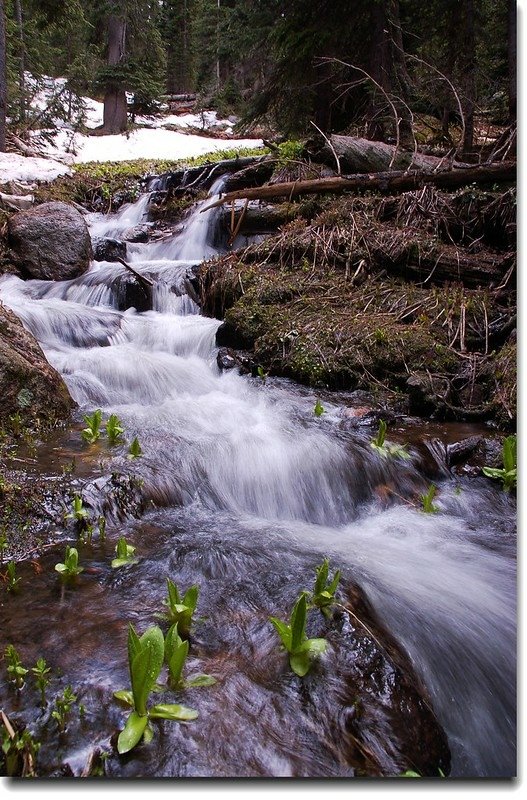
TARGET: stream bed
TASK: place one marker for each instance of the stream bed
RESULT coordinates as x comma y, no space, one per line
246,491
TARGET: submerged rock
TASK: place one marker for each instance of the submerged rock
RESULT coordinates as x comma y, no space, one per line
50,242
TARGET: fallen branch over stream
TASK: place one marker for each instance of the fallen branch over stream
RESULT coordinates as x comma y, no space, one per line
385,183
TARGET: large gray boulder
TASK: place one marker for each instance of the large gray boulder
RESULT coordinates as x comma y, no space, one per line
28,383
50,242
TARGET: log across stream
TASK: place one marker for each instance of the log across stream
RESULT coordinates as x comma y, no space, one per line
246,491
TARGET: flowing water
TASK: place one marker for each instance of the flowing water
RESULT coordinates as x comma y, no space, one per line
248,491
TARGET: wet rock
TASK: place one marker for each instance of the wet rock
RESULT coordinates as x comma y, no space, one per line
228,335
105,249
229,359
457,452
138,234
50,242
28,383
423,394
131,293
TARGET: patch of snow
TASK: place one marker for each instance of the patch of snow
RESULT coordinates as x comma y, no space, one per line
151,143
26,169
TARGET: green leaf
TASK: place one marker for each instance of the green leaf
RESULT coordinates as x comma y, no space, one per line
60,567
122,562
170,711
146,666
322,576
319,409
300,663
148,735
135,450
132,732
200,680
283,630
314,646
509,453
190,598
298,622
409,774
134,645
124,696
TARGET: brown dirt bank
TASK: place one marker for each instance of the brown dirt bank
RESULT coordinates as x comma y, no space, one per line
413,295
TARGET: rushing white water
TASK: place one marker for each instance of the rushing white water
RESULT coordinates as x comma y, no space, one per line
443,583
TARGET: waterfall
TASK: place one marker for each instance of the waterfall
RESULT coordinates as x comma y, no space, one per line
443,583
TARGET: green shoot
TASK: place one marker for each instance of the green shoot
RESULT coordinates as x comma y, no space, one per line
79,513
124,554
114,429
301,650
324,591
41,672
12,580
69,569
134,451
262,374
176,651
101,522
19,751
92,432
3,548
16,672
319,409
180,610
384,450
509,474
63,705
426,500
145,660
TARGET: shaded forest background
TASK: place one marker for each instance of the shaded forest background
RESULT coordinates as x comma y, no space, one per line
370,67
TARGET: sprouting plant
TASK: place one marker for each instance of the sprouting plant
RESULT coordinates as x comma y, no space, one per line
16,423
134,451
323,595
16,672
384,450
63,705
176,651
301,650
427,500
124,554
92,431
18,751
101,522
69,569
508,475
262,374
79,513
3,548
145,661
180,610
114,429
319,409
42,681
12,580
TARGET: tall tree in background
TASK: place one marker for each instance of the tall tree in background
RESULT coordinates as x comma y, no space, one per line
3,78
176,27
115,108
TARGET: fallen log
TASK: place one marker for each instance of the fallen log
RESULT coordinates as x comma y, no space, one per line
385,183
18,202
145,282
356,155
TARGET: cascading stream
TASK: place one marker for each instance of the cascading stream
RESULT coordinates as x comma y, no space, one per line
443,583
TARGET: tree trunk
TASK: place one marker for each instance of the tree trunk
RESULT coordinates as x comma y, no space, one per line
468,65
512,54
115,110
3,79
21,62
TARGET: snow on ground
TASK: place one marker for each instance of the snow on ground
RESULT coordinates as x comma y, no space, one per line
24,169
153,141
